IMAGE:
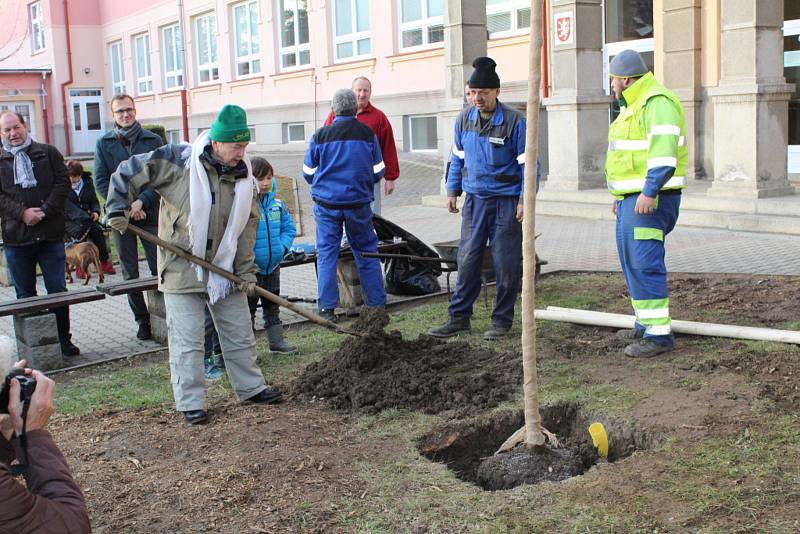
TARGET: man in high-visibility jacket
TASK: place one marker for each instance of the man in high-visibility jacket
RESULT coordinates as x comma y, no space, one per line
645,172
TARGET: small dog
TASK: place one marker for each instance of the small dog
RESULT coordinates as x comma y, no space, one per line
81,256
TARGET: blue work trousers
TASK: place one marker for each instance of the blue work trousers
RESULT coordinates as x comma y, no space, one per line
640,244
361,236
491,219
50,256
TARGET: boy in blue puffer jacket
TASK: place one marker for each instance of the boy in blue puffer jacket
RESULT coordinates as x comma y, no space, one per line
273,240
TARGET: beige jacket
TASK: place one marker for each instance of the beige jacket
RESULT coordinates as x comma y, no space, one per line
165,171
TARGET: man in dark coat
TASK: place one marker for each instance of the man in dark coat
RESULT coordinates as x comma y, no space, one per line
33,189
127,139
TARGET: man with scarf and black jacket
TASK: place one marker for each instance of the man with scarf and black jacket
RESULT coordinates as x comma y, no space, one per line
127,139
33,189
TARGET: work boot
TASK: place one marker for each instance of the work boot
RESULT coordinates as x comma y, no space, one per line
645,348
68,349
266,396
496,332
628,335
453,327
328,315
107,267
196,417
211,369
276,341
144,332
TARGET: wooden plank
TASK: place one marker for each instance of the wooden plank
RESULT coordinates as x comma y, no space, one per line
44,302
125,287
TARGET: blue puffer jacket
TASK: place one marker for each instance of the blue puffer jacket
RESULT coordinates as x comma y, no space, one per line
275,231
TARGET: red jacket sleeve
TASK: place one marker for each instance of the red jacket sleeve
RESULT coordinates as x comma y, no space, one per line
329,120
389,149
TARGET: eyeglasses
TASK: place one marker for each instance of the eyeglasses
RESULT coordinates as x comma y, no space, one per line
123,111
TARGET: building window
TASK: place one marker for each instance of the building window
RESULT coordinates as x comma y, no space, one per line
174,137
206,34
422,132
37,27
144,78
421,23
351,36
173,58
252,130
295,50
507,17
628,20
117,68
294,132
246,45
26,110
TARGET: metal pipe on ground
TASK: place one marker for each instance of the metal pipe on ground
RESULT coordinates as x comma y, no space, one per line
617,320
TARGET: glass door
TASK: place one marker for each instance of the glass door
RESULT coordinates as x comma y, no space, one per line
791,70
88,116
626,24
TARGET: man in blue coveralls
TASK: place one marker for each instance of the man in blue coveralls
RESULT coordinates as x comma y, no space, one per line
490,142
343,163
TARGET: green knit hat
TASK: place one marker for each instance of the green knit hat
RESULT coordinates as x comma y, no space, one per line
230,125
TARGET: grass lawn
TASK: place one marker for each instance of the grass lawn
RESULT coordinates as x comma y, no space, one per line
720,462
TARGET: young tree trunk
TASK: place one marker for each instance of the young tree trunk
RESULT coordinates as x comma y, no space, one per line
534,435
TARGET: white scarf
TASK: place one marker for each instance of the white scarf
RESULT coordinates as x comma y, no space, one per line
23,168
200,211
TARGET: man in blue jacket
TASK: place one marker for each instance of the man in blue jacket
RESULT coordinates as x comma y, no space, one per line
490,142
127,139
343,163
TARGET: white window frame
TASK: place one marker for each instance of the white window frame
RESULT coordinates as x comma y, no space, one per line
173,79
354,36
208,21
37,27
512,7
144,80
298,47
792,27
174,137
115,52
289,132
253,58
411,134
424,24
14,105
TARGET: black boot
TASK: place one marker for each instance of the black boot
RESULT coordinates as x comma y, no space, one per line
68,349
453,327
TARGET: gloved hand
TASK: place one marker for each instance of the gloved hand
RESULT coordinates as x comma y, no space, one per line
247,287
119,222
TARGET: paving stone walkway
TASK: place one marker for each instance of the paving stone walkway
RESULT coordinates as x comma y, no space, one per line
105,329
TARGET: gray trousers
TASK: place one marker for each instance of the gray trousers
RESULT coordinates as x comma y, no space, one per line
185,317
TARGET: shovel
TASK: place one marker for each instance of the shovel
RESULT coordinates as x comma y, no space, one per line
260,291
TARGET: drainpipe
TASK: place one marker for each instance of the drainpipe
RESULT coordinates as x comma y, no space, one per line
43,94
184,99
545,52
67,82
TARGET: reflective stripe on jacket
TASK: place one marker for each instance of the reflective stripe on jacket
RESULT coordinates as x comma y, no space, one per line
647,141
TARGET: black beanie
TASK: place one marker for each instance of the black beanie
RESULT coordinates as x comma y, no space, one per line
484,76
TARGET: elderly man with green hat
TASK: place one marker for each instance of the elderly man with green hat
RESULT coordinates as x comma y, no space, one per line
645,172
209,207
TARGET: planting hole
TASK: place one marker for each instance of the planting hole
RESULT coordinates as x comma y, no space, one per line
468,447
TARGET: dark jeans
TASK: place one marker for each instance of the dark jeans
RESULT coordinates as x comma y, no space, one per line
489,219
49,255
212,345
272,283
129,261
97,237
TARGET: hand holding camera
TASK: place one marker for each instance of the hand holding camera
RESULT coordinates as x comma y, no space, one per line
24,385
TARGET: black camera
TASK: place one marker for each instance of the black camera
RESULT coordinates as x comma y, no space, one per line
27,386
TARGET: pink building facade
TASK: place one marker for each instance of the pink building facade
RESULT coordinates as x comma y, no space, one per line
279,59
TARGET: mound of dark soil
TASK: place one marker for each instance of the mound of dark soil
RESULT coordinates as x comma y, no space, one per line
382,371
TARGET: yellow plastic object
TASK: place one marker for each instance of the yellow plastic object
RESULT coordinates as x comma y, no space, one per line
599,439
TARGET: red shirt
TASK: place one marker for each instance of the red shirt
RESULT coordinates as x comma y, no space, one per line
379,123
